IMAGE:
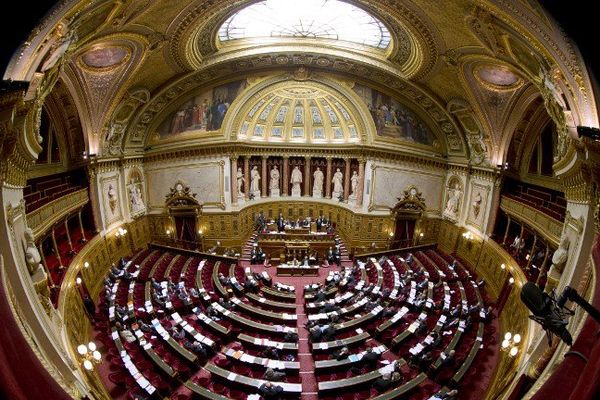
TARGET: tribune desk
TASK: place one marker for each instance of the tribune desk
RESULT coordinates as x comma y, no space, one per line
297,270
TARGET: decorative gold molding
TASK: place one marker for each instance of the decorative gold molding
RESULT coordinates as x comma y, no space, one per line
546,226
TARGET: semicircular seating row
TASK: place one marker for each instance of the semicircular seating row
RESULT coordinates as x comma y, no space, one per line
190,326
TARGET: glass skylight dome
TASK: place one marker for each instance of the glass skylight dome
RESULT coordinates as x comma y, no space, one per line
316,19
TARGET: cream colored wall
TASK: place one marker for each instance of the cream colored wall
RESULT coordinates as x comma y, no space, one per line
389,181
205,177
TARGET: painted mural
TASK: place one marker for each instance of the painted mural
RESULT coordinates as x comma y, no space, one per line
204,112
394,120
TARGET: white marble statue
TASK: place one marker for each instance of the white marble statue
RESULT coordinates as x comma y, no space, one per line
477,204
354,185
274,182
33,257
112,198
240,181
135,198
560,256
295,181
453,203
318,183
338,184
255,181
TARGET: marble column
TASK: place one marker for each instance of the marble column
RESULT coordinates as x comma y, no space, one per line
68,235
543,267
307,176
347,173
361,181
265,178
506,231
246,176
531,255
60,266
83,239
286,176
234,193
328,178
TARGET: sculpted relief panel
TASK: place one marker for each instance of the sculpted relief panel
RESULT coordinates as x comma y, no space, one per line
390,182
204,178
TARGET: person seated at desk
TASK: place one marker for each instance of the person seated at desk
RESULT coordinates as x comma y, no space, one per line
386,381
371,358
197,348
146,328
341,354
261,255
473,309
451,395
127,335
320,295
115,273
423,284
158,299
272,375
212,313
225,302
178,334
269,391
155,284
436,339
424,360
305,262
480,283
270,352
120,312
225,281
485,314
330,306
194,292
291,337
456,311
250,285
468,323
329,255
448,359
421,329
409,259
171,286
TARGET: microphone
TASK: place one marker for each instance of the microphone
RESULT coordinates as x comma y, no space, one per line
548,312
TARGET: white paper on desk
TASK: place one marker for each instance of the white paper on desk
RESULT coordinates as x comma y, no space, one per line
231,376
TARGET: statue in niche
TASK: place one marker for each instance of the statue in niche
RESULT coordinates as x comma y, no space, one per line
240,181
255,181
338,184
135,198
477,204
353,185
453,203
295,181
560,256
318,178
112,198
32,255
274,182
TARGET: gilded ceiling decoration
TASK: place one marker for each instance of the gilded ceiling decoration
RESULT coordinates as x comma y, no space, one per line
104,57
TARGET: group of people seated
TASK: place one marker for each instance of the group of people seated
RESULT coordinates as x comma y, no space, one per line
334,255
257,255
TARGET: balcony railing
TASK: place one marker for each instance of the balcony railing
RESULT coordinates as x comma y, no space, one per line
43,218
543,224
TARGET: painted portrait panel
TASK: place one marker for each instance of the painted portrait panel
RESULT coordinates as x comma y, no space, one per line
204,112
393,119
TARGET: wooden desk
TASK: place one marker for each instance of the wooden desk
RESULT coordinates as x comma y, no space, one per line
203,392
350,341
297,270
348,361
359,321
359,380
271,303
203,293
248,323
288,388
288,366
469,360
286,296
264,343
260,312
211,323
403,389
188,355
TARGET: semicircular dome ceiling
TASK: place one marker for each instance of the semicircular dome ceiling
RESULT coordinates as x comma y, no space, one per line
317,19
299,113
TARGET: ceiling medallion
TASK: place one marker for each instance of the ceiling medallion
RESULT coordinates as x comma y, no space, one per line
104,57
497,77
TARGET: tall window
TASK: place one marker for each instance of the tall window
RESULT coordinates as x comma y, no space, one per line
316,19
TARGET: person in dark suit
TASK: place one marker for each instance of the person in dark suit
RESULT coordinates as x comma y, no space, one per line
319,223
371,358
383,383
90,307
341,354
448,359
271,352
269,391
280,223
272,375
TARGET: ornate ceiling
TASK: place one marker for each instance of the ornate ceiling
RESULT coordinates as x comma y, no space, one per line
469,68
